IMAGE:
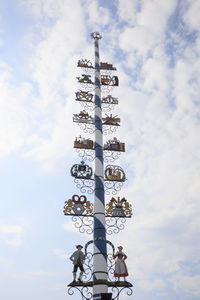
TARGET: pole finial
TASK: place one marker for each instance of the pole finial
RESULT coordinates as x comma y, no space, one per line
96,35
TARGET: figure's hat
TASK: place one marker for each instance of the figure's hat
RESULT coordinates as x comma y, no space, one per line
77,246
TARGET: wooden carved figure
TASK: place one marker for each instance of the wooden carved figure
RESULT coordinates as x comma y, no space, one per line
78,258
120,265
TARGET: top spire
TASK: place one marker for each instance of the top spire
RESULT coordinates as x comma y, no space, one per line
96,35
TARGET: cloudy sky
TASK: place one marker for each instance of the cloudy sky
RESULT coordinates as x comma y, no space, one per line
155,46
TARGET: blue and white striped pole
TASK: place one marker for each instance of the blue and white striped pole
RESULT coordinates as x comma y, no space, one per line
100,248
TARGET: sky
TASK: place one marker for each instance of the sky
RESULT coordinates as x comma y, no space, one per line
155,46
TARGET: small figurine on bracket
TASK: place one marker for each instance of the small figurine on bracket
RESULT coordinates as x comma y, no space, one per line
78,258
85,79
120,266
111,120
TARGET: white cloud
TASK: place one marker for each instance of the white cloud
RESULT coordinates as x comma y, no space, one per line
188,284
98,15
149,28
127,10
154,15
137,39
191,16
12,234
14,112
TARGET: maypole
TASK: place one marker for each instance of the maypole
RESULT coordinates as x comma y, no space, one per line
99,232
100,268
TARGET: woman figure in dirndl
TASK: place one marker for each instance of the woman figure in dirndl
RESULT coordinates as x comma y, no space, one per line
120,266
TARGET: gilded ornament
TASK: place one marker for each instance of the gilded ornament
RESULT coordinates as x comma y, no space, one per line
78,206
118,208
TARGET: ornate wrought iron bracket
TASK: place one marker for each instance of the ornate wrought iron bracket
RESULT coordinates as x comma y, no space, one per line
112,187
86,154
108,129
85,185
114,225
84,287
117,290
114,178
81,210
111,156
83,223
84,290
87,128
87,105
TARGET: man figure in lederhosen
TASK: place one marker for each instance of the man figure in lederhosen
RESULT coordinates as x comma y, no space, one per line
78,258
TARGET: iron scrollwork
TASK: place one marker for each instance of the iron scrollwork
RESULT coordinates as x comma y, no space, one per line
114,225
106,89
86,154
85,291
112,187
109,100
110,123
86,128
84,148
115,286
110,156
117,210
86,82
108,103
107,129
85,185
83,223
116,290
88,105
82,174
88,267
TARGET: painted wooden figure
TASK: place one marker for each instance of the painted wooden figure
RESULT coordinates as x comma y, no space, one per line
120,265
78,258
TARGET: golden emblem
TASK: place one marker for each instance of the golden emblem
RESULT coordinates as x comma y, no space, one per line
119,208
79,206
